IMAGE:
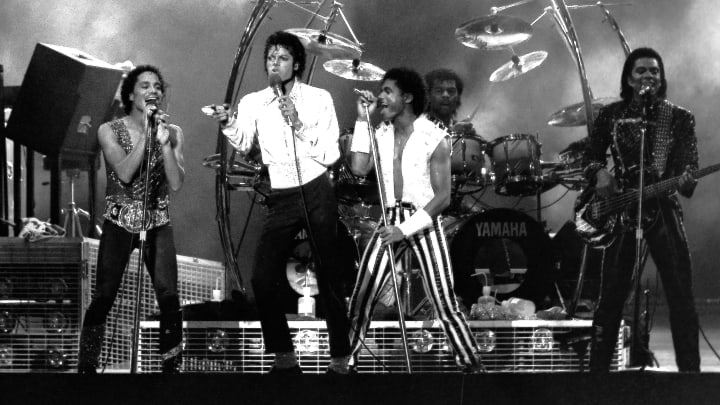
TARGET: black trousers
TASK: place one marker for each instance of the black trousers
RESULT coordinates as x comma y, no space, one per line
285,218
667,244
116,244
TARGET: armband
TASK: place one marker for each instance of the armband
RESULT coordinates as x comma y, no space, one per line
361,137
417,221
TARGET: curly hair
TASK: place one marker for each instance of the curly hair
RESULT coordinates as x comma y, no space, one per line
128,84
409,81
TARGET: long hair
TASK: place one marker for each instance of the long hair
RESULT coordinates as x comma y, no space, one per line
128,84
409,81
292,44
626,92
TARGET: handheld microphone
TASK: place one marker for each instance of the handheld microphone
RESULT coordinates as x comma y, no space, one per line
645,90
276,84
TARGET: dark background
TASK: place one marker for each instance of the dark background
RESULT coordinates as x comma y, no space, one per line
194,43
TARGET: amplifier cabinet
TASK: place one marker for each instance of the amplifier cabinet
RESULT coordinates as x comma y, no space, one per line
41,301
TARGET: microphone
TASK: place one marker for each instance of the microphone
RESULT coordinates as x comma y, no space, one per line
276,84
645,90
154,114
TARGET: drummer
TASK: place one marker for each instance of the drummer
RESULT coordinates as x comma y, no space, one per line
445,90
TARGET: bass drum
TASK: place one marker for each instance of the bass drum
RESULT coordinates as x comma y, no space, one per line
504,248
353,235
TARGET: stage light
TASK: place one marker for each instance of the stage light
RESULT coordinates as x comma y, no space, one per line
307,341
55,358
6,355
6,288
486,340
218,341
422,341
7,322
55,322
542,340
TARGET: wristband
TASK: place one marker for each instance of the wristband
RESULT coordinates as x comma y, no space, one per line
417,221
361,137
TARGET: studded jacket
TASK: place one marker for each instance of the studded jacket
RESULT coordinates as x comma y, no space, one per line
670,142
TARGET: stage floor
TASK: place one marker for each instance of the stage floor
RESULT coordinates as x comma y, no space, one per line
661,339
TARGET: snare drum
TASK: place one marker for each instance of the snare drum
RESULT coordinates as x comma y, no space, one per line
516,169
504,248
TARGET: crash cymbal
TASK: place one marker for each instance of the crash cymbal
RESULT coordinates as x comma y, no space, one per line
493,32
518,65
326,44
574,115
353,69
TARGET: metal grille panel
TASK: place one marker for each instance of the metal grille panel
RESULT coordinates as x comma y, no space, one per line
41,286
196,280
509,346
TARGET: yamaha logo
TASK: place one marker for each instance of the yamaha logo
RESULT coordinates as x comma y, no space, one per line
501,229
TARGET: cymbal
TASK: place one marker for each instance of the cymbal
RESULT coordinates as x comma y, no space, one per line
496,31
326,44
574,115
236,168
518,65
353,69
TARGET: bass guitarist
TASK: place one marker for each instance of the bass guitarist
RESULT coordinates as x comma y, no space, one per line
670,151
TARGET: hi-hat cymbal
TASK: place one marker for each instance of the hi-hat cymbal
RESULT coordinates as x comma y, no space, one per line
236,168
574,115
493,32
353,69
326,44
518,66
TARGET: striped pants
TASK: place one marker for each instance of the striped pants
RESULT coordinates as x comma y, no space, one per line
432,253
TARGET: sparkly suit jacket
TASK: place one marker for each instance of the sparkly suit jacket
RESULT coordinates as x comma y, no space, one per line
670,144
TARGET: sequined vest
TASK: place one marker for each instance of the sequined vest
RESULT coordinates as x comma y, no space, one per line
123,201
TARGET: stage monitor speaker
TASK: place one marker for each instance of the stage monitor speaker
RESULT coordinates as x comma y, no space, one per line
65,96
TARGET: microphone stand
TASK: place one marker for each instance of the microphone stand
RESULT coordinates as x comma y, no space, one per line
148,129
391,251
639,251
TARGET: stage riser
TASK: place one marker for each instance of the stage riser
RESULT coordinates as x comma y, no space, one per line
51,282
196,280
518,346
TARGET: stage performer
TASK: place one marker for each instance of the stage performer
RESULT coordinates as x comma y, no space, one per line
670,151
297,130
414,155
445,89
123,144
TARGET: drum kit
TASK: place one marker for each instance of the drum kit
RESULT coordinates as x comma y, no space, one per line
498,240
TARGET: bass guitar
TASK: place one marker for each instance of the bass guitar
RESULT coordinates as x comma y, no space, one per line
596,218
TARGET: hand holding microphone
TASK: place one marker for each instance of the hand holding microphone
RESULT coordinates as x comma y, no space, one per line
366,98
157,119
287,107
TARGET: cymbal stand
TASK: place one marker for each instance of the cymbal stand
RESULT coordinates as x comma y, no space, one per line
390,249
72,213
149,143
